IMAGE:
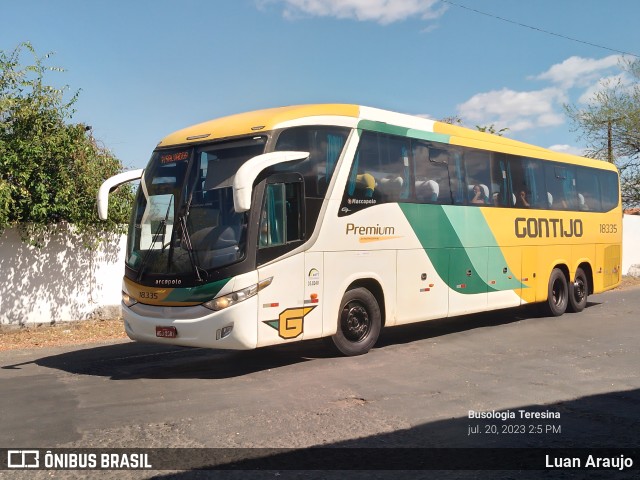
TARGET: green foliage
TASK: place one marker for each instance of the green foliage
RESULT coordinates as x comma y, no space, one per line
492,129
456,120
452,120
50,168
610,124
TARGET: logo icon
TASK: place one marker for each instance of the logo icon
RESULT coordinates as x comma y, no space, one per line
23,459
290,323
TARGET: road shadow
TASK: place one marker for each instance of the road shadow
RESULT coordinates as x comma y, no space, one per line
599,425
447,326
133,360
130,361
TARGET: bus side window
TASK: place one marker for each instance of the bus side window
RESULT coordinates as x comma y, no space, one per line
609,189
499,187
324,145
526,183
272,217
431,175
394,184
427,188
588,190
477,164
281,219
561,185
380,172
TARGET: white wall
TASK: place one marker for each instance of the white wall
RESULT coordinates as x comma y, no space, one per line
630,242
59,282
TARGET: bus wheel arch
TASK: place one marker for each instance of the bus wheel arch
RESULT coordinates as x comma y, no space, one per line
360,318
376,290
588,271
579,289
557,292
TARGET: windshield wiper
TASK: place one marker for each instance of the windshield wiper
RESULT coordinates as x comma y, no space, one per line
185,240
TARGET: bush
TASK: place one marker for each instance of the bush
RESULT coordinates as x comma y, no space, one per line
50,168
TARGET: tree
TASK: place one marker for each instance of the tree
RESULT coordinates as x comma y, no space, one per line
50,168
492,129
610,124
456,120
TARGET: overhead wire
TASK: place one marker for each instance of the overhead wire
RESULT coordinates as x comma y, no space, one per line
541,30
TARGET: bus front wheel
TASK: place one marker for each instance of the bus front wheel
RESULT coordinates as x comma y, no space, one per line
558,294
578,292
359,323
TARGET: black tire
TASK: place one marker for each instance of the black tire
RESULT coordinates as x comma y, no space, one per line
557,294
578,292
359,323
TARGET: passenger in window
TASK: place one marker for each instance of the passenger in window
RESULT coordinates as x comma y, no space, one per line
582,204
496,199
521,200
391,187
366,183
431,189
479,196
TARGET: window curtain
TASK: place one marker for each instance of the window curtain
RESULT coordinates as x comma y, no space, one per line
274,207
569,189
351,188
504,191
459,176
334,147
530,179
406,191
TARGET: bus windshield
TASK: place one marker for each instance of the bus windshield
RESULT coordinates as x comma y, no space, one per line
184,222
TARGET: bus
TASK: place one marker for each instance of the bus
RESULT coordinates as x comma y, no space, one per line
335,221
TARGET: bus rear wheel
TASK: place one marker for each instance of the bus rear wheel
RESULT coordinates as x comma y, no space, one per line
359,323
578,292
558,294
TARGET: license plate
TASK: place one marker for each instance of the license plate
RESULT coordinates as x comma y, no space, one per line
166,332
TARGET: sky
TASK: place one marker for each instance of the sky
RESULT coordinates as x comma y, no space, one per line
146,68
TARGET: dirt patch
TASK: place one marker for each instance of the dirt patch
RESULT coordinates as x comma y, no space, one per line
68,333
628,281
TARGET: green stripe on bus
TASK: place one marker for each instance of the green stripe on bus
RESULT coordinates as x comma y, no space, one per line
199,294
402,131
455,239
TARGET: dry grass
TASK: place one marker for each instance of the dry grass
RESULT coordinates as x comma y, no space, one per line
68,333
630,282
95,331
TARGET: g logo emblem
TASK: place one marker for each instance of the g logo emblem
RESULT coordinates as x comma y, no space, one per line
290,323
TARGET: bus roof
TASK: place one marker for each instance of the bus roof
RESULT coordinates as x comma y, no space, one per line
357,116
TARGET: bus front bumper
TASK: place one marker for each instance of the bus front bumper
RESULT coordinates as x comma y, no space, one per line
233,328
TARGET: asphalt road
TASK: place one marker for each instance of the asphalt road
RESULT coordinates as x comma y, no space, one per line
415,389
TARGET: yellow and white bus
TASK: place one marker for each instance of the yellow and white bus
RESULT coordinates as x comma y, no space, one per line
334,221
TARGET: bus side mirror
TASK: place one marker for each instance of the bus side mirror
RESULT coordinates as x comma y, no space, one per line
110,185
249,171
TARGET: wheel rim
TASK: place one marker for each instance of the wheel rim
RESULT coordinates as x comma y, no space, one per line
579,289
355,322
558,293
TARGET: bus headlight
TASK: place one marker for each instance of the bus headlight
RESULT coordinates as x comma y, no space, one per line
225,301
128,300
